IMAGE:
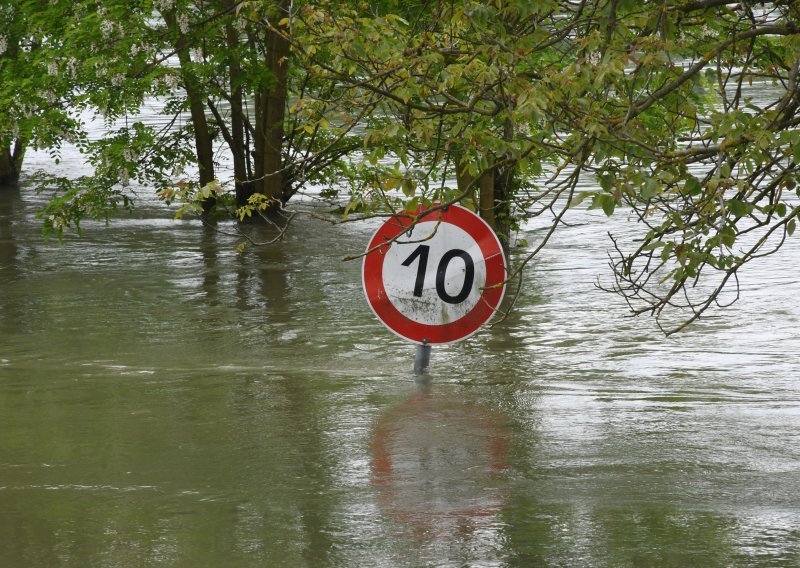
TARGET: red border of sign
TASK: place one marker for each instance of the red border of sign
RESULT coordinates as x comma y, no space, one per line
492,295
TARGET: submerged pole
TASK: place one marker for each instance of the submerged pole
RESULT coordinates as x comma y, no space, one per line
422,360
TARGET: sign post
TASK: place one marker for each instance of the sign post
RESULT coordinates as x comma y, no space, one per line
422,358
438,281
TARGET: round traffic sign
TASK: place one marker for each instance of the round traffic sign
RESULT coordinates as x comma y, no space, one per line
437,281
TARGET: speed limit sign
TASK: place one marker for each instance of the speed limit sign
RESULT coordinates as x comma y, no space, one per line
438,281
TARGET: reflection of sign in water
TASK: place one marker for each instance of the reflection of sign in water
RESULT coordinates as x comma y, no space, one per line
436,463
441,281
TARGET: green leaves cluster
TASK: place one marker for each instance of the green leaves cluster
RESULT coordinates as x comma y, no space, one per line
682,114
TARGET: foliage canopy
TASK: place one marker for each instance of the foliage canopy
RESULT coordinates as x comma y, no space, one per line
682,113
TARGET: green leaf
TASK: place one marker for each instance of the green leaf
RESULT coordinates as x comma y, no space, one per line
790,227
580,198
737,207
728,236
692,186
667,251
604,201
650,189
606,181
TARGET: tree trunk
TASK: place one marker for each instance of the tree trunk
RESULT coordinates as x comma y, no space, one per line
11,156
491,195
482,193
270,114
202,136
244,187
11,163
502,192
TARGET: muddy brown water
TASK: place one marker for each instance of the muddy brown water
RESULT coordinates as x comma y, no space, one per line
165,401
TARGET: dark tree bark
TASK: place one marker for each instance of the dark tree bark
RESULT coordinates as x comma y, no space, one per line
491,194
11,163
270,114
202,135
237,142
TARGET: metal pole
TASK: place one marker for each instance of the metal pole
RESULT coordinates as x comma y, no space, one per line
422,360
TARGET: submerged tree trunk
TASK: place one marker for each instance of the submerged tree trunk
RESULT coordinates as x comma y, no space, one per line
482,192
270,114
503,191
491,193
202,136
237,142
11,163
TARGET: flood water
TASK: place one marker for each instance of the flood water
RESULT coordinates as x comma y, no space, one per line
164,401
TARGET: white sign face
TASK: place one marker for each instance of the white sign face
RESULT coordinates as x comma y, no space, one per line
435,275
439,282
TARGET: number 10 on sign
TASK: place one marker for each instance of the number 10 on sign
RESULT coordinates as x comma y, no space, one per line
437,282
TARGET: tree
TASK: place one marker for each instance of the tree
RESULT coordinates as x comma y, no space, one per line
225,79
212,76
683,112
34,98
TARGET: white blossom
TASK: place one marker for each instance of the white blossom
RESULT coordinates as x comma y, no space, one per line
72,67
3,44
594,59
240,23
707,32
183,23
52,68
124,177
106,28
171,81
164,5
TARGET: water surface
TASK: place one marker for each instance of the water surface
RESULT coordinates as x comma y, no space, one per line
165,401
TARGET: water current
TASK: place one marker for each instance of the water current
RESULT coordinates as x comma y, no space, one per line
165,401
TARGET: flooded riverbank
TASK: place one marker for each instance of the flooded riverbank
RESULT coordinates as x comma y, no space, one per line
164,400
